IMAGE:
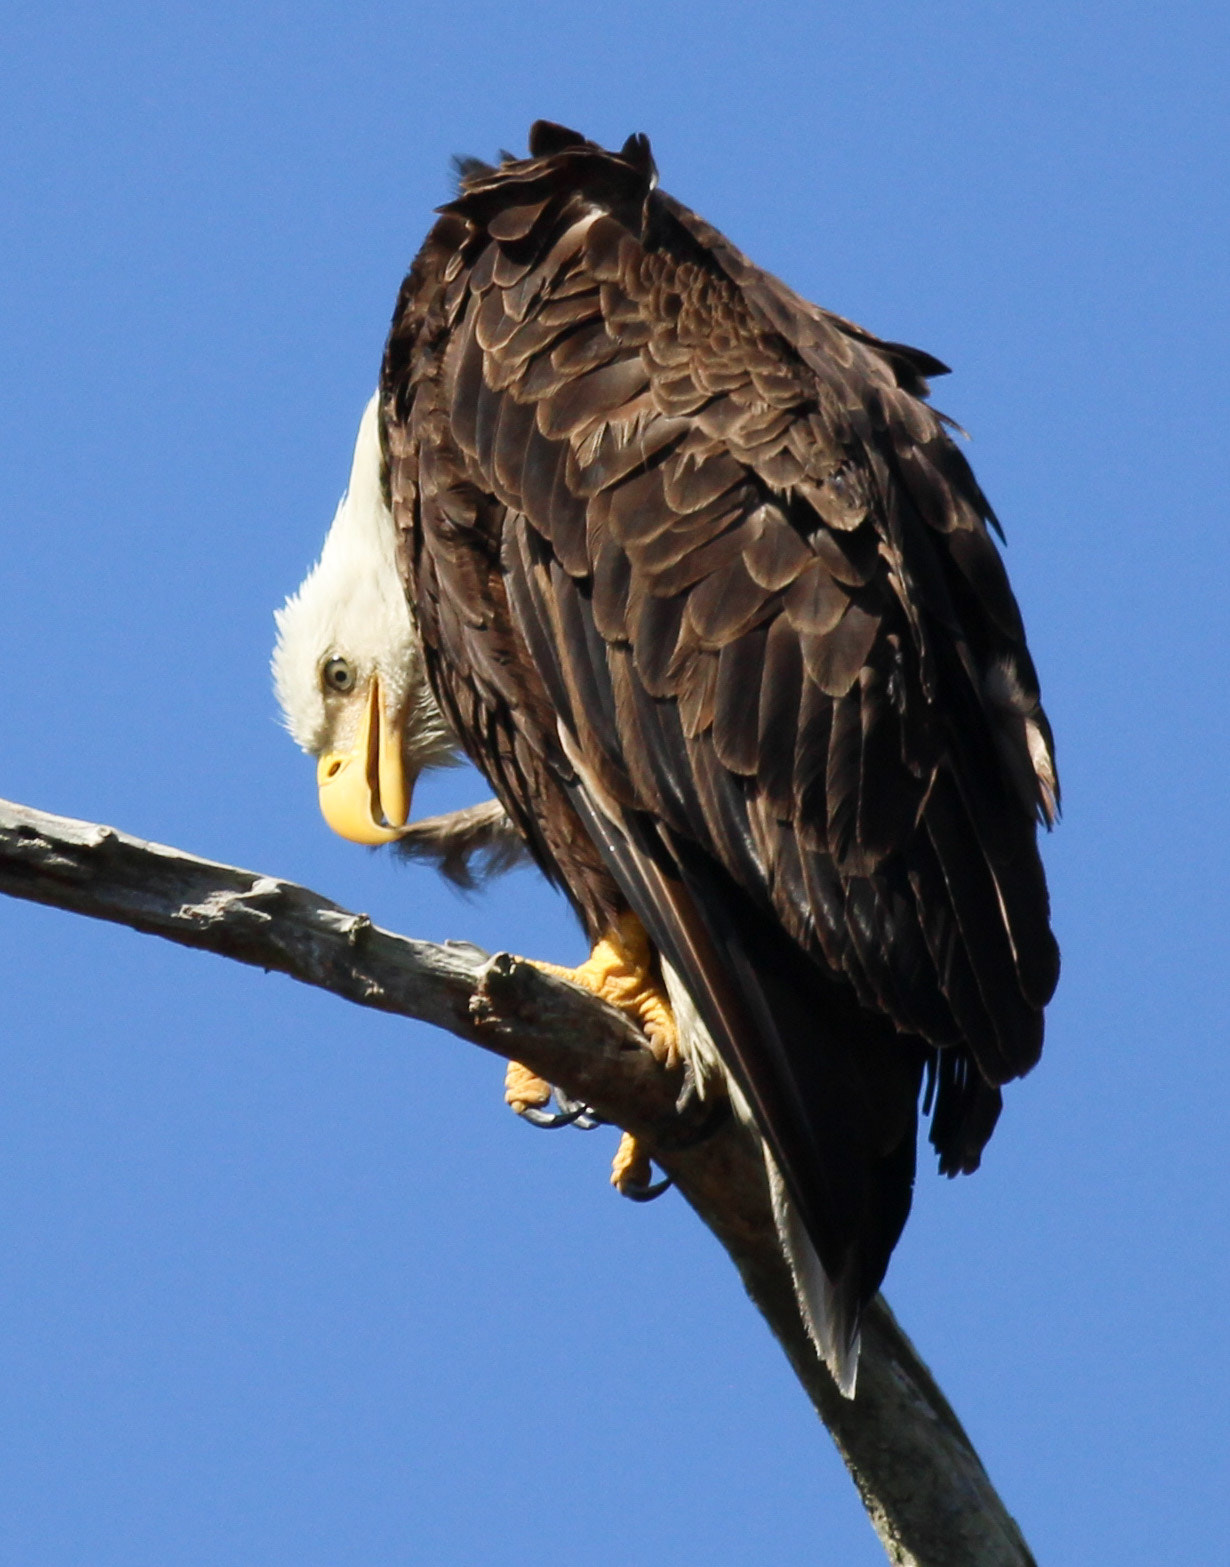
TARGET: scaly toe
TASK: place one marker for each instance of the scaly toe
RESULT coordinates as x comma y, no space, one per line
525,1090
632,1171
621,969
659,1025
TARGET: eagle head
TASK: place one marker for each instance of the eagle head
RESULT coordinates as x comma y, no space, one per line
348,665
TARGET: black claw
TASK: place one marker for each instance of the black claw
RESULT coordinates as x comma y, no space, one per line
548,1120
635,1192
689,1092
571,1112
585,1117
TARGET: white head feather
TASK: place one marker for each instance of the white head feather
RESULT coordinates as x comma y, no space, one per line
352,606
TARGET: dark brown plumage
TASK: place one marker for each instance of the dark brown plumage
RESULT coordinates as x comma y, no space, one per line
709,595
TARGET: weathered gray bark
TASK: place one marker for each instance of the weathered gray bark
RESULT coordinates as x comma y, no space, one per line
923,1485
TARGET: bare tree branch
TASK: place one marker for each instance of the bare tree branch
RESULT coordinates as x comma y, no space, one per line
923,1485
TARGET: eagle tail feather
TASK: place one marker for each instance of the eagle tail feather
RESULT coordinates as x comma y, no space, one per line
829,1315
829,1312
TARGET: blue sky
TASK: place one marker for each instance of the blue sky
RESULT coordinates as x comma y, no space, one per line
282,1282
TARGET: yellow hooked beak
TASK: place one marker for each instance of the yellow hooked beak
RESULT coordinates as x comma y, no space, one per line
363,792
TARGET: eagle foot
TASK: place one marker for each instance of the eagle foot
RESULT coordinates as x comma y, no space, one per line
632,1171
621,970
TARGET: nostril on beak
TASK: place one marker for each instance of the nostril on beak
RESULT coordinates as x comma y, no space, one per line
333,769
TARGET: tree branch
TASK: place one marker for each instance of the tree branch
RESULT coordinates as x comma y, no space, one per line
920,1479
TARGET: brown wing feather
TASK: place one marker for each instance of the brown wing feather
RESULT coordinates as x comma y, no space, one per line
709,594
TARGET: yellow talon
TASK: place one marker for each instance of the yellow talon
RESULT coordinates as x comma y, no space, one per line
621,970
524,1089
631,1166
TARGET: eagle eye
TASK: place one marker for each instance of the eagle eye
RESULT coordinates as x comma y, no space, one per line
337,674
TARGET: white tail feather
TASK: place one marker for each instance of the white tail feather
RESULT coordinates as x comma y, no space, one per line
812,1287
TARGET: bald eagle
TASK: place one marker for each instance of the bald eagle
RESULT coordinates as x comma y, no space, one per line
698,579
